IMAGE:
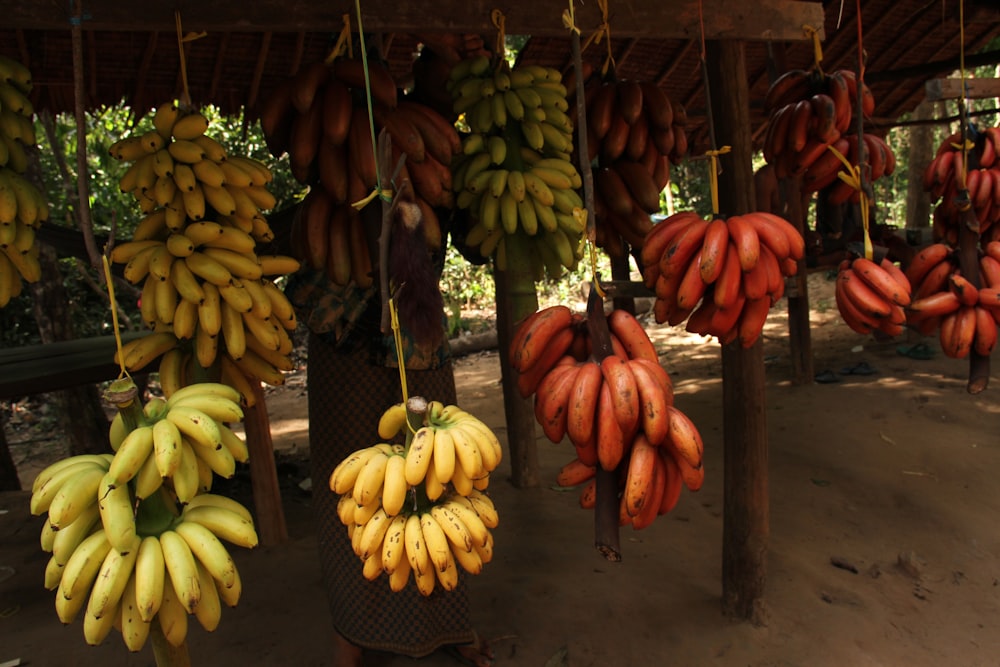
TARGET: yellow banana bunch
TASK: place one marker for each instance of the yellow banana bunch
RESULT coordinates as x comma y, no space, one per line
518,180
123,557
421,508
194,252
22,206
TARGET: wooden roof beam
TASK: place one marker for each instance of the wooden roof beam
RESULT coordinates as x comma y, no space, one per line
661,19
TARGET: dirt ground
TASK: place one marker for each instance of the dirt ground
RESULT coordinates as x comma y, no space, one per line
884,545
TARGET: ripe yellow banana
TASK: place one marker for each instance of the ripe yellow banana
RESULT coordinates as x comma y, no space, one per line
436,541
420,455
117,513
149,578
77,495
227,524
65,540
393,545
180,565
172,617
78,575
196,425
209,608
134,450
416,548
185,478
135,630
207,548
111,578
395,489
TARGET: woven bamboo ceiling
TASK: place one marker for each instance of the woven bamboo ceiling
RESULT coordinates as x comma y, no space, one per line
248,48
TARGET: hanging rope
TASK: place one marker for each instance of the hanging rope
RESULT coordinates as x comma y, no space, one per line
714,152
343,42
813,33
384,193
397,337
962,201
500,23
123,372
181,40
603,31
853,178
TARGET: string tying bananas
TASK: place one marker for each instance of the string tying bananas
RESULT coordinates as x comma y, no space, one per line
982,181
618,413
515,174
809,111
194,253
720,275
944,301
634,134
22,206
421,509
123,554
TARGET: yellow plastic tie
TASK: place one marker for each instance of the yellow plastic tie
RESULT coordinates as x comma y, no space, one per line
853,178
569,18
384,193
602,31
500,23
114,315
398,340
343,42
592,252
713,173
811,31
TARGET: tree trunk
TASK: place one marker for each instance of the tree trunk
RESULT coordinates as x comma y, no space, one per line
918,202
9,481
77,409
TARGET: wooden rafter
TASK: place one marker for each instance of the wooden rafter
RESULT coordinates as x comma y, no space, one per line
662,19
220,59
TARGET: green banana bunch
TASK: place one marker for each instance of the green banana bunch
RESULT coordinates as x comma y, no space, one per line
515,174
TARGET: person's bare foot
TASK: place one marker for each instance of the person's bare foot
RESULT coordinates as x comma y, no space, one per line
345,654
476,654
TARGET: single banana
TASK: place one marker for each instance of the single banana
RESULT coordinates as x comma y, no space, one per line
395,489
420,455
218,460
346,472
196,425
135,449
172,617
209,608
66,540
237,447
436,541
96,630
209,551
76,496
134,629
185,477
180,565
368,485
112,578
484,507
166,447
117,513
150,576
399,576
46,491
470,519
416,548
456,531
78,575
225,523
392,422
221,408
148,480
393,546
224,502
53,574
230,596
373,533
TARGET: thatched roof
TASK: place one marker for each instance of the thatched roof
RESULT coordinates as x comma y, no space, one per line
234,68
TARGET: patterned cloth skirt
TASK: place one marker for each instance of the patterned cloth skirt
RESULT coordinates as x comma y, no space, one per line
347,394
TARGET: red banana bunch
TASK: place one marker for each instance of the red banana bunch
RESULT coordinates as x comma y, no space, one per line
872,295
982,180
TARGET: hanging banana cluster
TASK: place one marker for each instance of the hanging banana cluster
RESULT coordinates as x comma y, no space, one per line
320,118
634,134
194,253
516,174
422,508
135,537
22,206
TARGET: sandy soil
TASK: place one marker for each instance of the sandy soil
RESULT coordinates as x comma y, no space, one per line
884,544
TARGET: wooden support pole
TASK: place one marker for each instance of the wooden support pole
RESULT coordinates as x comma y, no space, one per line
745,499
270,515
515,300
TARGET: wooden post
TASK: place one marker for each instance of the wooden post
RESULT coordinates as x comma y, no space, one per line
271,528
515,300
745,500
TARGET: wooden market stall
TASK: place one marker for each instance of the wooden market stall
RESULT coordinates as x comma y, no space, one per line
245,49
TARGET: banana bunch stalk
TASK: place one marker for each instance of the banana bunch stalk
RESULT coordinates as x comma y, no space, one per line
515,174
123,555
194,253
422,508
618,413
22,207
942,179
634,133
320,118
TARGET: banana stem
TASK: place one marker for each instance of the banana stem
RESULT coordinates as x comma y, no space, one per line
165,653
154,514
123,394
